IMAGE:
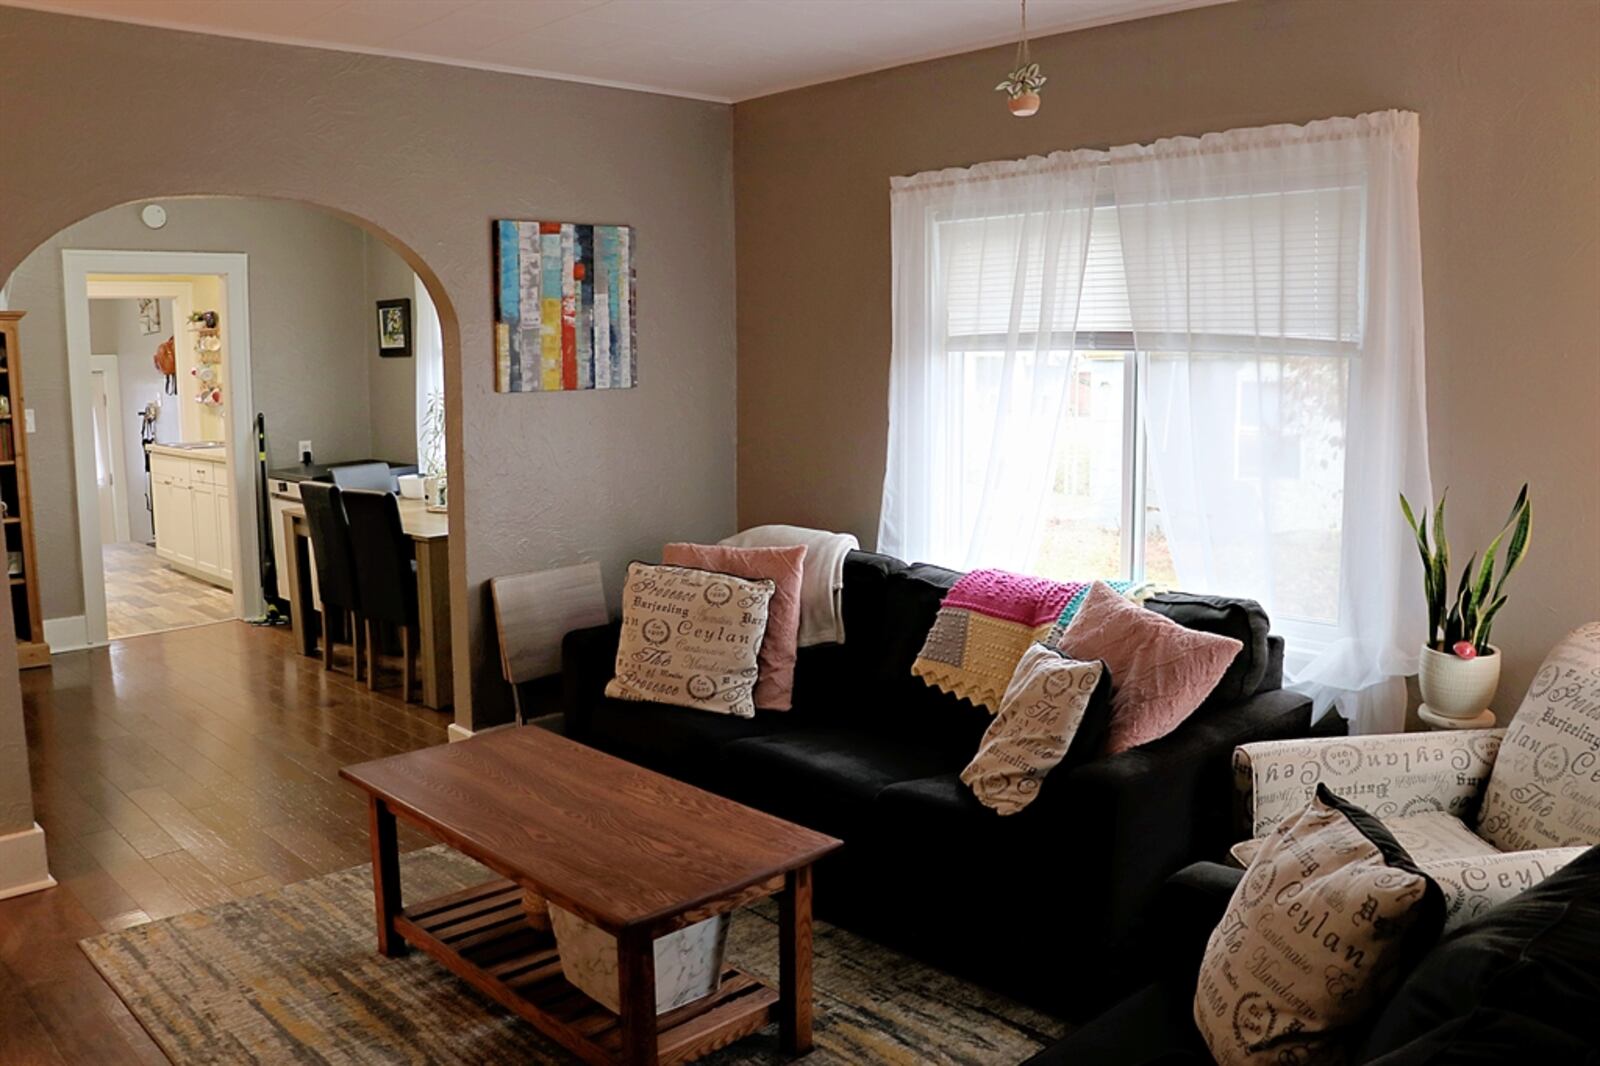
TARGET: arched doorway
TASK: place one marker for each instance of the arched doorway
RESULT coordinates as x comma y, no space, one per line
297,314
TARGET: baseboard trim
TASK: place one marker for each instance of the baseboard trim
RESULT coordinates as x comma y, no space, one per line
23,865
460,732
67,634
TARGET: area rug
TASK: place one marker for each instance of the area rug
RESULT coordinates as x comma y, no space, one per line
291,977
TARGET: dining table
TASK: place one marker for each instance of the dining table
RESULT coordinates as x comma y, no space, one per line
429,534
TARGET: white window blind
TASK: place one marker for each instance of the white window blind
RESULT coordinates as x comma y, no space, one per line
1280,265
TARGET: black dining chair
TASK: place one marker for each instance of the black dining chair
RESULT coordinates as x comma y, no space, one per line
375,476
335,565
386,578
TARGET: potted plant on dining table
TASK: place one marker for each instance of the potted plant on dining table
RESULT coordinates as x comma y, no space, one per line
1459,669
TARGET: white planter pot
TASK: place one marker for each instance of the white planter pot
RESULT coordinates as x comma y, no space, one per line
688,962
1458,688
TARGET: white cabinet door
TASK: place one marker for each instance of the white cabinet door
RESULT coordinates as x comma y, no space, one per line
178,527
207,554
224,535
161,513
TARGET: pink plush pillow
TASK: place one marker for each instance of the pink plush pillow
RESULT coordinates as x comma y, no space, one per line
784,567
1160,671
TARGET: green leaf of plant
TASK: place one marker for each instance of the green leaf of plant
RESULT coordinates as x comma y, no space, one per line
1518,548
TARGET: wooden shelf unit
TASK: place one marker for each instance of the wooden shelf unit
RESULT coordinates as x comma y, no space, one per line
18,526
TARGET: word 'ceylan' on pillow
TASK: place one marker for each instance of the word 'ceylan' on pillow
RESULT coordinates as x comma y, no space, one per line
1161,672
1049,710
690,638
785,568
1329,917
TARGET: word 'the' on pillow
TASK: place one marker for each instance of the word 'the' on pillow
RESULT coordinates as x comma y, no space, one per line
690,638
1160,671
785,568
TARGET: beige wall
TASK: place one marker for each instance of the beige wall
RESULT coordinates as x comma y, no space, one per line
308,345
429,155
391,383
1510,110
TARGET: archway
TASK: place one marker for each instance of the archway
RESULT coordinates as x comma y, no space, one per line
271,334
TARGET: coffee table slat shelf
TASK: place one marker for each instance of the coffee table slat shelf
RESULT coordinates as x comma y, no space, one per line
482,935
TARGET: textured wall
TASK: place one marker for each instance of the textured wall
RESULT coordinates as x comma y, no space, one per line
429,155
1507,93
391,383
308,343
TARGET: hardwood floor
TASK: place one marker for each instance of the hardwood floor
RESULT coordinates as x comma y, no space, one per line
145,595
171,772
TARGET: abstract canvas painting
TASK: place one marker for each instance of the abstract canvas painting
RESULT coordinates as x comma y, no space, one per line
564,307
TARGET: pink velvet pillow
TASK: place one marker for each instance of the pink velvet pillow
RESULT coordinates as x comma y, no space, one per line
785,567
1160,671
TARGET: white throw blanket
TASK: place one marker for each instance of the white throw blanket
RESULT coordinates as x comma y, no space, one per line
821,617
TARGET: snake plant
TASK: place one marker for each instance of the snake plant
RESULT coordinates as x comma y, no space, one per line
1469,618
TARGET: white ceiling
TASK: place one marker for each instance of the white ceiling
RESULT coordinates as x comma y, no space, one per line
723,50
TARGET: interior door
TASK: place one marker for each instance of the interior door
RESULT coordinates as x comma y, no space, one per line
104,468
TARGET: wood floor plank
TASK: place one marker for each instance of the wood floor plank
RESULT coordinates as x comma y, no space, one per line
163,787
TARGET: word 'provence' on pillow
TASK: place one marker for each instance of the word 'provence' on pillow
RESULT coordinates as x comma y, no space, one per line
1329,917
1050,709
785,568
690,638
1161,672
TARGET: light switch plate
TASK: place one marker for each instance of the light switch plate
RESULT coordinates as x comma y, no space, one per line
27,419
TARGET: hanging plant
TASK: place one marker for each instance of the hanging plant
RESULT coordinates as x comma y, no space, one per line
1022,85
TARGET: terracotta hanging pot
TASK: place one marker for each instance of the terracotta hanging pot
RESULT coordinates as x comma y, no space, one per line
1024,104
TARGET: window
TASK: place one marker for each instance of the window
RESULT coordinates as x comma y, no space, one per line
1198,361
1180,356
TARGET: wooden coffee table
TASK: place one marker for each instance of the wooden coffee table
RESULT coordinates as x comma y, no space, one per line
635,853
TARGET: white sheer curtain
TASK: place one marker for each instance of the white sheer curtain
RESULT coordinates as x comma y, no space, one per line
1274,281
430,384
988,267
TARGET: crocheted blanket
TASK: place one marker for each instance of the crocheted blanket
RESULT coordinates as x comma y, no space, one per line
988,620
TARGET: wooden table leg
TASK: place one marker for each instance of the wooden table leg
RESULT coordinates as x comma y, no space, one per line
433,612
636,973
386,878
299,573
794,962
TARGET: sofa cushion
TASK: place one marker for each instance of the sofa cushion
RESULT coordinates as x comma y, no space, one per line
674,740
1243,620
826,778
1532,956
1541,793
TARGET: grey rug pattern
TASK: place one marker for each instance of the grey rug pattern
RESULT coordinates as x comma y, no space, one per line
292,977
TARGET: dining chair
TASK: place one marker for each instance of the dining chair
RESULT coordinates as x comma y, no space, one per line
335,566
376,476
386,578
533,611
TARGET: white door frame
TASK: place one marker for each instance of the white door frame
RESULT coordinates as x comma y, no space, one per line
238,418
108,366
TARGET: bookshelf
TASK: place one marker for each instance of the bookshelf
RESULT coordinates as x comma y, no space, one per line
22,560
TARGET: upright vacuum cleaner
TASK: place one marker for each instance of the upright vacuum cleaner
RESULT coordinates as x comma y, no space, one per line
277,613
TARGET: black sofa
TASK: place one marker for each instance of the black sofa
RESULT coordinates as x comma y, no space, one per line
871,755
1520,983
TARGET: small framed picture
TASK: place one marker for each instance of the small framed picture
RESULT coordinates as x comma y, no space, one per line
394,329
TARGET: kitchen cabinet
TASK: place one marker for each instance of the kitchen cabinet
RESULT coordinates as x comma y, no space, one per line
193,511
